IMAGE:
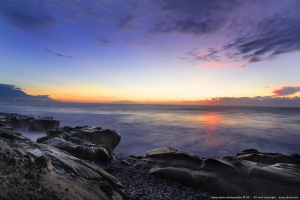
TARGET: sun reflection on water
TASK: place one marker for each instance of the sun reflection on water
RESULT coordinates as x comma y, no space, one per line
209,122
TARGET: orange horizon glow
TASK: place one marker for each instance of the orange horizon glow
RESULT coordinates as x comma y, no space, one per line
90,96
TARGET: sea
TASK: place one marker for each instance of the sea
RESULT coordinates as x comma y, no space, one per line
207,131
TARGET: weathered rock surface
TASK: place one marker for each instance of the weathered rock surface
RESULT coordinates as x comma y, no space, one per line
32,170
85,142
86,151
248,173
29,123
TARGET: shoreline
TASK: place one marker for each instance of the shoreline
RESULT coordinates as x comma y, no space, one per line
202,131
161,173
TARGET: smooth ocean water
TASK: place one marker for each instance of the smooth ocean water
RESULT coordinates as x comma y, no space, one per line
203,130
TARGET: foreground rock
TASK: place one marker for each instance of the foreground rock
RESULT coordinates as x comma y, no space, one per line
248,173
29,123
92,143
30,170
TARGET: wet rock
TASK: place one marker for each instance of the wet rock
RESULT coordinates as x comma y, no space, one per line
86,142
43,124
30,123
249,173
166,156
96,135
7,134
51,172
85,150
53,132
42,139
268,158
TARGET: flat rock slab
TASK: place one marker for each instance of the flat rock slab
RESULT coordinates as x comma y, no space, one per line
54,172
248,173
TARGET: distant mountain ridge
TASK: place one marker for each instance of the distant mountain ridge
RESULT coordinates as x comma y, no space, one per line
14,92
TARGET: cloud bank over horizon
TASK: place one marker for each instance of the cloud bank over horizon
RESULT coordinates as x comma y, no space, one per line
15,92
269,101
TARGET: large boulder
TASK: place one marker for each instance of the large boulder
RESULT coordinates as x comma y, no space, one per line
32,170
86,142
248,173
166,156
97,135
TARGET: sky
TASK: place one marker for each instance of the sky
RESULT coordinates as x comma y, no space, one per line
158,51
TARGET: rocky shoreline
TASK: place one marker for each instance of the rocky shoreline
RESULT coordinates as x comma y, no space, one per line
139,184
78,163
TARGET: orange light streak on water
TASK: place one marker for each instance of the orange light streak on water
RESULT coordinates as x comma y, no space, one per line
210,122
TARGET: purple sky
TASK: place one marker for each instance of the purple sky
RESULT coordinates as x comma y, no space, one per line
152,51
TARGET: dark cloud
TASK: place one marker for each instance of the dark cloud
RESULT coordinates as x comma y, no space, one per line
260,101
276,36
268,101
60,55
194,7
193,17
190,26
104,42
286,91
126,21
12,87
139,43
23,15
14,92
273,37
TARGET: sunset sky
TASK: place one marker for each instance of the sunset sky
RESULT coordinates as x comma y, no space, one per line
151,51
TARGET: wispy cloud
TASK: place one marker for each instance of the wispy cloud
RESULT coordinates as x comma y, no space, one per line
126,21
139,43
103,42
286,91
59,54
123,102
276,36
270,38
105,97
